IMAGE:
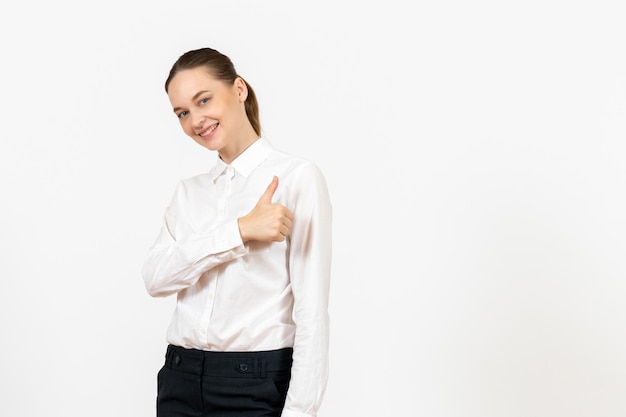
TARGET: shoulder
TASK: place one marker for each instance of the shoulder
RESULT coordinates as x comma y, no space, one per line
195,180
190,184
301,179
296,166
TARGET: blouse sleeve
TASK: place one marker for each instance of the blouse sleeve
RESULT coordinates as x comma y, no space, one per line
309,264
181,254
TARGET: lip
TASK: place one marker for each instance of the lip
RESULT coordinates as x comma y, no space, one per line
212,128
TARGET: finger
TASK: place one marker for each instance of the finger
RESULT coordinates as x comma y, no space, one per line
285,231
269,191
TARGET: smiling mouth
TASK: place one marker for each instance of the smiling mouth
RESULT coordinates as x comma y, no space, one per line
208,131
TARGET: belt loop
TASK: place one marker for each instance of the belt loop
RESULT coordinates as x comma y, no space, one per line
168,357
260,368
263,367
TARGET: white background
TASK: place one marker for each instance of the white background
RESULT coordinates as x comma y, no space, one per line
474,153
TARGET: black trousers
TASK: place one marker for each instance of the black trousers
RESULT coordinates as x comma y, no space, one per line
196,383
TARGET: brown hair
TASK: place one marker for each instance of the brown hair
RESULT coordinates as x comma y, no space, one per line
222,68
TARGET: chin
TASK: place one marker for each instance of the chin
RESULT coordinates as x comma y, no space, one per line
206,143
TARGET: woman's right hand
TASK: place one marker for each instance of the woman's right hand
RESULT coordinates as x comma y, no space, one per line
267,222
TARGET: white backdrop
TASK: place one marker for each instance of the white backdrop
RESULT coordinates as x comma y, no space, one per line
474,153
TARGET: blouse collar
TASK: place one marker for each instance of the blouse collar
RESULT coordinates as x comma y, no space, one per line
246,161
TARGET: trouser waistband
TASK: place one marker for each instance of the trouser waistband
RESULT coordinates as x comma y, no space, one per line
256,364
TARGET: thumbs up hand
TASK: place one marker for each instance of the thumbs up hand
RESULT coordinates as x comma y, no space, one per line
267,222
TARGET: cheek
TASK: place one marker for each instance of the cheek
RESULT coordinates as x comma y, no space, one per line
187,127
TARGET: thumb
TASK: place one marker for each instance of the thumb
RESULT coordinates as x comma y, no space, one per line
269,192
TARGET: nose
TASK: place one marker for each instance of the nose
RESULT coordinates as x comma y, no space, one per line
197,120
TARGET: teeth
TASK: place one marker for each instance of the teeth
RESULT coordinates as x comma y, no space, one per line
211,129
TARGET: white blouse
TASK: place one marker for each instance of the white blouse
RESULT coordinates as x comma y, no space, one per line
233,296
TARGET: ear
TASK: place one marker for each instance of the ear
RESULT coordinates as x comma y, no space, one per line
241,89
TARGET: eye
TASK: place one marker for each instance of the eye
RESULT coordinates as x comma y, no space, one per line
182,114
204,100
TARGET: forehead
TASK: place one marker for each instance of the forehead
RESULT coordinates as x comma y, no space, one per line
187,83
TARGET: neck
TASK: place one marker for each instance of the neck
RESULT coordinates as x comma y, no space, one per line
228,156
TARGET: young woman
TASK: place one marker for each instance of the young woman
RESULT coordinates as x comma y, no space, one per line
246,248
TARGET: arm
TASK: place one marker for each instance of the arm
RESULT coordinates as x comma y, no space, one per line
310,261
180,254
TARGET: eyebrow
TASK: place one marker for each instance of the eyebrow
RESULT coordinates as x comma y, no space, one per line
195,96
